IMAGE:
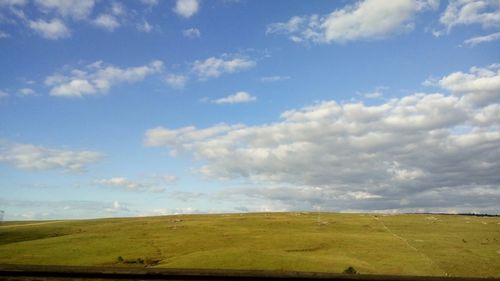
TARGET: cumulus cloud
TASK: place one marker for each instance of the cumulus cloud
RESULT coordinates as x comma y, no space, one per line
368,19
467,12
77,9
54,29
186,8
177,81
480,85
107,22
98,78
32,157
129,185
425,151
214,67
471,42
239,97
191,33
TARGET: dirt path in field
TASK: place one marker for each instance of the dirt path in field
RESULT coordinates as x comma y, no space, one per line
26,224
409,245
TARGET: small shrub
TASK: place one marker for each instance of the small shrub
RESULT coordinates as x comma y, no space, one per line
350,270
119,259
151,261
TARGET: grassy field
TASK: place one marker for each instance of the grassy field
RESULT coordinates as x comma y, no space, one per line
376,244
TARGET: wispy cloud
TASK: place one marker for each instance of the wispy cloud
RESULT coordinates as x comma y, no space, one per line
274,78
368,19
471,42
239,97
24,92
98,78
485,13
130,185
32,157
213,67
78,10
177,81
107,22
54,29
191,33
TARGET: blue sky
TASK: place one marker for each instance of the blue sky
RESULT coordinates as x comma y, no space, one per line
131,108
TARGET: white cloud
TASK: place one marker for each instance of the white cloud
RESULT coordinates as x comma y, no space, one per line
129,185
77,9
239,97
161,136
107,22
173,211
214,67
54,29
97,78
373,95
169,179
4,34
116,207
66,209
7,3
3,94
420,150
117,9
31,157
368,19
26,92
466,12
177,81
191,33
480,85
471,42
144,27
376,93
186,8
274,78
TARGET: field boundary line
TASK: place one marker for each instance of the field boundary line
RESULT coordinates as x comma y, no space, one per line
409,245
26,224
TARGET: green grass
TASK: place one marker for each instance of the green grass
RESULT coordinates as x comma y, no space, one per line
398,244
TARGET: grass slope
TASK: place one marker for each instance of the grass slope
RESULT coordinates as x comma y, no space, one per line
377,244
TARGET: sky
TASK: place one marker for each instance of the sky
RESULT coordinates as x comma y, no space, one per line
150,107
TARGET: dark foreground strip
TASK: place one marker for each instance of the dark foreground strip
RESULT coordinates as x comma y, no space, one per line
43,273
